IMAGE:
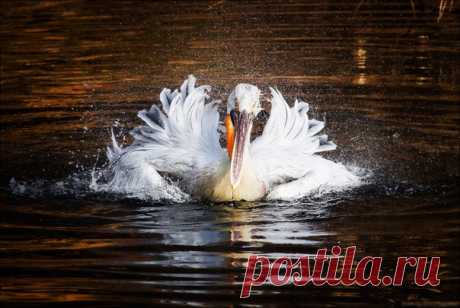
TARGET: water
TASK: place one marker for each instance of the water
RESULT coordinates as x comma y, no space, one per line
385,77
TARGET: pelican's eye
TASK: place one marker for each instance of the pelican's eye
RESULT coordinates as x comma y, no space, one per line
262,115
234,117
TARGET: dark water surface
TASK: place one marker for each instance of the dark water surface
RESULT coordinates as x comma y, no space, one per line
386,77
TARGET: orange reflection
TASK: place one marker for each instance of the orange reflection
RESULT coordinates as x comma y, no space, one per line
360,79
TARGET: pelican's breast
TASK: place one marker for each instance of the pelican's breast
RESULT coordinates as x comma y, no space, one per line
250,187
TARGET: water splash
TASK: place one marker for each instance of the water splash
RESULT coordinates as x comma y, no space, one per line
93,183
75,185
157,190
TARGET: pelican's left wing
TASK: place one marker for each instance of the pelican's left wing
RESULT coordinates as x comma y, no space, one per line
284,151
181,140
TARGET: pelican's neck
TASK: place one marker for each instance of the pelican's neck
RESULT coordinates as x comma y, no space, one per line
247,166
249,188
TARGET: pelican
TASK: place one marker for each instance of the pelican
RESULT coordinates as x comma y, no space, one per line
176,154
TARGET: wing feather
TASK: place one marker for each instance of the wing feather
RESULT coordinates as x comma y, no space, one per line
181,140
286,148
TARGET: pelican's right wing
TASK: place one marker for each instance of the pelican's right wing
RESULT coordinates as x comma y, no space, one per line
181,140
285,149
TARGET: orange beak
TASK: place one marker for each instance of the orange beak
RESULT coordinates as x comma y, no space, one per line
230,134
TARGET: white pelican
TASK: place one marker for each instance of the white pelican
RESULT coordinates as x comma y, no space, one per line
176,154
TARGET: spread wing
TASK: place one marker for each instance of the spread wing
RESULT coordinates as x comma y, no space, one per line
181,140
285,149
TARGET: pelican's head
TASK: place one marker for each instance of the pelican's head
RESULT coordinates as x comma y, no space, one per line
243,105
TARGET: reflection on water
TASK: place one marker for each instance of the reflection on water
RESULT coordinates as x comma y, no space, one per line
384,76
109,251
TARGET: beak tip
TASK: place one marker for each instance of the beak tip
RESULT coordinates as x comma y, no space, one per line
233,182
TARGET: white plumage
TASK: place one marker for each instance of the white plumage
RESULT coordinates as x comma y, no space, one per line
177,155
